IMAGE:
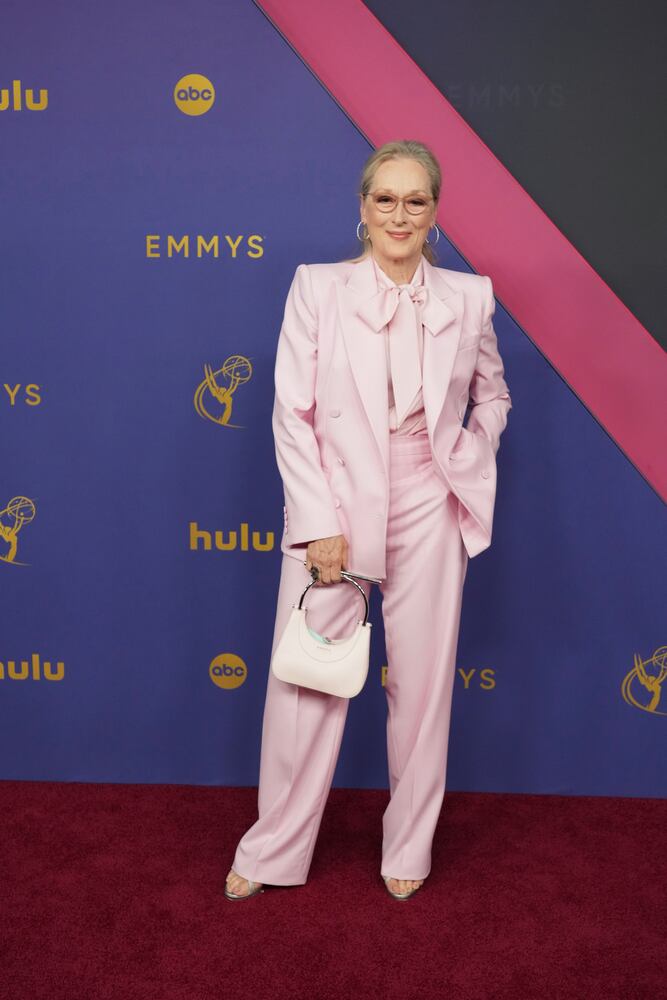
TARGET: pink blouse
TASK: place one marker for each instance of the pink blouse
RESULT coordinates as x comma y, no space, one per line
415,420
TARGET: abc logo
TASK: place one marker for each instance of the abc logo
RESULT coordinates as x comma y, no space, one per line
194,94
228,671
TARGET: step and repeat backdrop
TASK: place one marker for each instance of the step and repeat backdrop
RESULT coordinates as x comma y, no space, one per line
164,169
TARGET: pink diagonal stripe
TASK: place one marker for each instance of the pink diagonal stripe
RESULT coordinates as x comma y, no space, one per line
590,337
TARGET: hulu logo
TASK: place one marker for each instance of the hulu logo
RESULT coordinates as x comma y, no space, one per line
31,670
230,541
15,99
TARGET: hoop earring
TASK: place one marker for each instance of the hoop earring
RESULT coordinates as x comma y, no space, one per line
438,235
362,239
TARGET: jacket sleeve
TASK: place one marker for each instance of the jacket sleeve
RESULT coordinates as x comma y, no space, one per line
310,512
491,401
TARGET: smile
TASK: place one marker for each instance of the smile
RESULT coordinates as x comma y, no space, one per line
399,236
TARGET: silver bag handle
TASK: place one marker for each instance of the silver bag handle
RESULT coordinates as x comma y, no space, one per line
346,575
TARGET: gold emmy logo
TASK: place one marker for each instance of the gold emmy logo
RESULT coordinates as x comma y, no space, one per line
19,511
183,246
17,98
194,94
486,677
30,392
228,671
35,670
645,680
237,370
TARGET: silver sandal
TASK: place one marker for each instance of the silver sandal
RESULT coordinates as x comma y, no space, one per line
253,890
400,895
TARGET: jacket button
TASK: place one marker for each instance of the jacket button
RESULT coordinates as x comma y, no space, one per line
334,413
337,502
485,474
341,460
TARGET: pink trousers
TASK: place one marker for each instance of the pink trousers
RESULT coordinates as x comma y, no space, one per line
302,729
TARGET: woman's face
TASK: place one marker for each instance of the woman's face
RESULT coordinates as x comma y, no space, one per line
398,235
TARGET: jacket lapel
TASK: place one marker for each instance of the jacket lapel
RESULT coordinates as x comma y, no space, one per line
442,317
441,342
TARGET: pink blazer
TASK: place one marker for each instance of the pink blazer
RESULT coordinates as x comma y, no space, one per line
330,415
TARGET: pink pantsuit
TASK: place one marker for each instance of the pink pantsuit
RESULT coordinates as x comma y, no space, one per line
413,507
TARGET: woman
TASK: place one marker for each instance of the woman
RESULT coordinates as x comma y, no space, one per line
377,360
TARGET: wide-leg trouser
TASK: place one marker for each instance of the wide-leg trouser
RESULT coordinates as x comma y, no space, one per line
302,729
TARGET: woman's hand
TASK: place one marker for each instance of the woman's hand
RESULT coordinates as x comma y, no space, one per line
329,555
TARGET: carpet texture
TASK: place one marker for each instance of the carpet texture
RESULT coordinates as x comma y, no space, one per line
115,891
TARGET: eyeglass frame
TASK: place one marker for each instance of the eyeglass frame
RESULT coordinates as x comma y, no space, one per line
385,211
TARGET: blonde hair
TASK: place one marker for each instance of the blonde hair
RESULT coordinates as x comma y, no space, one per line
403,148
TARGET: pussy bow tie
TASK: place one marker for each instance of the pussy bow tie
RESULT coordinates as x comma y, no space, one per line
401,309
379,309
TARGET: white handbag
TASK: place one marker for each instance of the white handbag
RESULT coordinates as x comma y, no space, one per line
335,666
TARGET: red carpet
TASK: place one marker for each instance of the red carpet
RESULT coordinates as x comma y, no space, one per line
115,891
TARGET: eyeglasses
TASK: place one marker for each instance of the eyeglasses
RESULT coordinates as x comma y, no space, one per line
415,204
